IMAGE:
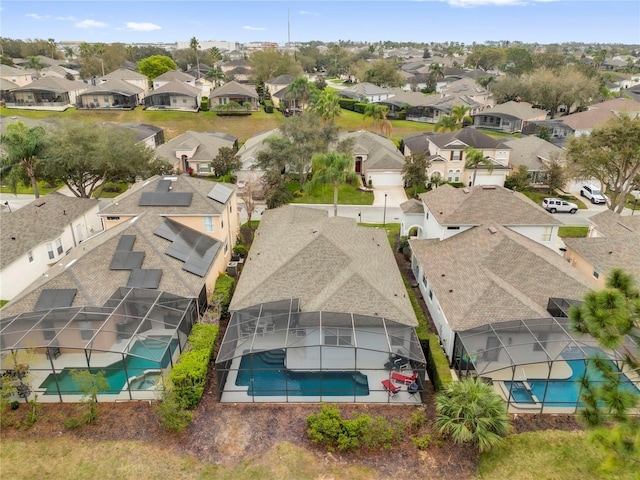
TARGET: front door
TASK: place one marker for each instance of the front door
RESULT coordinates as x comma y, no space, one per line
358,164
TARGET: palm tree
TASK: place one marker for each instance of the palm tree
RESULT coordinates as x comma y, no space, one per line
475,157
69,53
100,49
470,411
299,90
215,74
332,168
445,123
375,111
215,54
23,147
195,46
459,114
36,64
52,44
327,106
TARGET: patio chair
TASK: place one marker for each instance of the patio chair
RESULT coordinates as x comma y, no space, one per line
391,389
403,378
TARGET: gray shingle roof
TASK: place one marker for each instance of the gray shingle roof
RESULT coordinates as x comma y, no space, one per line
519,110
611,224
281,80
176,86
468,136
113,86
6,70
53,84
30,226
418,142
505,276
606,253
412,206
530,151
480,204
124,74
366,89
381,152
329,263
600,113
174,75
234,88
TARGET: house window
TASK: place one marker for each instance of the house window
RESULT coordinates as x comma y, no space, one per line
426,215
456,155
174,101
50,251
596,272
106,99
424,280
95,99
184,100
226,247
209,225
546,234
457,176
204,168
59,246
230,209
30,97
453,228
86,330
30,256
430,294
450,176
337,336
113,218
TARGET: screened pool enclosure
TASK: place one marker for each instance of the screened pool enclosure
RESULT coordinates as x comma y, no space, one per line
273,352
536,365
133,338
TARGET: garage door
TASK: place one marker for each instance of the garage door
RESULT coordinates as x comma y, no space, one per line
386,179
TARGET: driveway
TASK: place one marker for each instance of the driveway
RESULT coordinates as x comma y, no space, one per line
395,196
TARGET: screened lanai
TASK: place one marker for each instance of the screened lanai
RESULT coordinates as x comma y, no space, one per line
536,364
273,352
134,338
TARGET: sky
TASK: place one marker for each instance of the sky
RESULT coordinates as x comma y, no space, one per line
139,21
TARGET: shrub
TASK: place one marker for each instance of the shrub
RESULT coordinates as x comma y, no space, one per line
421,442
378,433
402,115
204,104
347,103
15,405
268,106
359,107
417,421
223,291
240,249
172,416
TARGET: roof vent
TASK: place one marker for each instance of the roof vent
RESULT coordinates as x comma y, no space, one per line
40,203
492,230
488,187
465,190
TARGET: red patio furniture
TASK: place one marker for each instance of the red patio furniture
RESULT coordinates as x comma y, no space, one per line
390,388
404,378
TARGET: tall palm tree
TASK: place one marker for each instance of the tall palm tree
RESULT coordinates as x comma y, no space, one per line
52,45
332,169
23,147
195,46
299,91
215,74
100,49
69,53
474,158
471,412
375,111
459,114
445,124
327,106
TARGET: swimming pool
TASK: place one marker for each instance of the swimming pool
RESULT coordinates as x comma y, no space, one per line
153,354
559,393
266,375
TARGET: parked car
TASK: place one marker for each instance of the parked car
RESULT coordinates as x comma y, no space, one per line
553,205
592,193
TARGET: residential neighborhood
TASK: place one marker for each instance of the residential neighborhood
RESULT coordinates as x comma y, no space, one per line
213,244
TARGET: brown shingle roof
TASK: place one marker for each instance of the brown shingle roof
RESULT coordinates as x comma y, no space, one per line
611,224
176,86
600,113
234,88
606,253
329,263
469,136
481,204
505,276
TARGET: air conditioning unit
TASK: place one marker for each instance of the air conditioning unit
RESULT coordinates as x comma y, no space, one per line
232,269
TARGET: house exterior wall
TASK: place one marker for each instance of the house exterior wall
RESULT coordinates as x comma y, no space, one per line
103,101
586,268
483,177
185,102
544,235
111,221
20,80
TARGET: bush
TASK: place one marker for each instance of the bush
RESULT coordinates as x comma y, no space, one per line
15,405
268,106
359,107
240,250
223,292
189,375
456,184
347,103
402,115
172,416
422,442
417,421
204,104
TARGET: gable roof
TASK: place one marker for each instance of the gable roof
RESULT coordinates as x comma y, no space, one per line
381,152
249,150
128,203
124,74
7,85
329,263
53,84
607,253
600,113
178,87
234,88
506,276
30,226
365,89
6,70
418,142
611,224
519,110
113,86
483,204
531,150
175,75
281,80
469,136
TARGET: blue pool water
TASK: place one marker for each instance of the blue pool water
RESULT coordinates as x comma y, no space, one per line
265,375
559,393
156,356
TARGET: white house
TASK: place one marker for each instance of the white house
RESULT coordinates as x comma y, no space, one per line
38,235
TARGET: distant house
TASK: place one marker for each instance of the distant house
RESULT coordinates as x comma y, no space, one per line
427,108
367,92
60,72
173,76
581,123
39,235
110,95
134,78
47,93
278,83
15,75
248,155
5,87
234,93
174,95
195,150
534,153
150,135
612,243
509,117
558,131
376,158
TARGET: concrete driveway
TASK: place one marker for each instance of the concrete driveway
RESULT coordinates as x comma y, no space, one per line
395,196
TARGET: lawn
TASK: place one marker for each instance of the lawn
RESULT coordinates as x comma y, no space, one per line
573,232
547,455
43,188
537,196
323,194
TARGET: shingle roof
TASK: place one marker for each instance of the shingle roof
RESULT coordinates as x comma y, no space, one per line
505,276
176,86
174,75
7,85
530,151
127,204
95,282
468,135
611,224
124,74
329,263
113,86
482,204
366,89
519,110
234,88
381,152
281,80
412,206
53,84
600,113
418,142
606,253
6,70
30,226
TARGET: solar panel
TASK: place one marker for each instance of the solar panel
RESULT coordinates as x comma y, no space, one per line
220,193
144,278
163,186
167,230
126,260
125,244
55,298
165,199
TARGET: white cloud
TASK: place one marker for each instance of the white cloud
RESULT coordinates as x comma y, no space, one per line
90,24
479,3
142,27
67,19
36,16
249,27
306,12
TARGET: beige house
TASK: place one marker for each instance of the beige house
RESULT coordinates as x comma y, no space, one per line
134,78
15,75
195,150
112,94
509,117
173,76
47,93
174,95
41,234
234,93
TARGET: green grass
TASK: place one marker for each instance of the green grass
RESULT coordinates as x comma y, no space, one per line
77,459
43,188
573,232
3,303
538,196
323,194
547,455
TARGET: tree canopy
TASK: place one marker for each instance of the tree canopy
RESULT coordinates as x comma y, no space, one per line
332,168
23,147
414,171
270,63
156,65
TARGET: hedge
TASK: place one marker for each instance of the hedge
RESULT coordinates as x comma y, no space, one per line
359,107
347,103
189,374
204,104
268,106
223,291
